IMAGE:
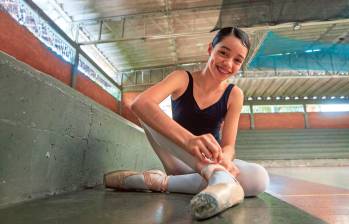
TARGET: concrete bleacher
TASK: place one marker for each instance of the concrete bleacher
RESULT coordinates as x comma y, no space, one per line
56,140
293,144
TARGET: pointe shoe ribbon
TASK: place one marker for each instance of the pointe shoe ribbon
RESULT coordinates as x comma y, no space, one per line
156,180
208,170
215,198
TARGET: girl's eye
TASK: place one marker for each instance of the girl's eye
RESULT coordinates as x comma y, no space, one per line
238,61
223,53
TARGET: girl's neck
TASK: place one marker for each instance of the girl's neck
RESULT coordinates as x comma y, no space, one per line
206,82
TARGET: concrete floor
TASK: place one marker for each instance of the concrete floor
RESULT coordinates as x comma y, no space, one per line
104,206
336,176
321,191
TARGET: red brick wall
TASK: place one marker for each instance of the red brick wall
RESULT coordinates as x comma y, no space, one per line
95,92
17,41
328,120
20,43
244,122
279,120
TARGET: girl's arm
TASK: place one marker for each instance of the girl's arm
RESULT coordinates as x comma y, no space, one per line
146,107
230,128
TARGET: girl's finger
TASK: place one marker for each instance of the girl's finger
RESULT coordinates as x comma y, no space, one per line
214,150
203,149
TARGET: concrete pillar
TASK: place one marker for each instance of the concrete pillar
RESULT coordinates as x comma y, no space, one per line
306,120
252,126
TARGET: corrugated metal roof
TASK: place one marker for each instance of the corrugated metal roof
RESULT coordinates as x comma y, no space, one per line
142,34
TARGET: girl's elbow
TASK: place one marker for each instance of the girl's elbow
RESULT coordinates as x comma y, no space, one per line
138,105
135,105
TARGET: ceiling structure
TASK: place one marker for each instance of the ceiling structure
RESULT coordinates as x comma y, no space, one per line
145,39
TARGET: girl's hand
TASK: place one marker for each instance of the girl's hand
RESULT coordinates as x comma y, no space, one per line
205,148
230,166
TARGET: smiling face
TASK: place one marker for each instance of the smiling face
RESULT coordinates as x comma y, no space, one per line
226,57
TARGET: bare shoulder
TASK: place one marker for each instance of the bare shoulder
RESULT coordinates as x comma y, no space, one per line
171,85
178,75
236,96
237,92
180,79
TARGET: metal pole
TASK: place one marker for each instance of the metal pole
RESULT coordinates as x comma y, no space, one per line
122,94
75,65
306,120
74,71
252,125
100,30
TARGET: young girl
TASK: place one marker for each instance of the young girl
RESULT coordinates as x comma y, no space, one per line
197,159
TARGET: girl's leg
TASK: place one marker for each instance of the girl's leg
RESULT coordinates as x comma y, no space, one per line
223,190
182,177
251,186
170,154
171,164
253,178
191,162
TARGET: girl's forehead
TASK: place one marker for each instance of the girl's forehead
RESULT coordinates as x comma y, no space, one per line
233,44
231,40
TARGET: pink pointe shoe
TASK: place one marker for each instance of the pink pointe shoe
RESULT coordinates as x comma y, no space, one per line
215,198
155,180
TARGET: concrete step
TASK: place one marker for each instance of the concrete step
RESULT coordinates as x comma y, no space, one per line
293,144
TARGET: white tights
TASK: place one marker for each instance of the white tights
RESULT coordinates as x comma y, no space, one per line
180,166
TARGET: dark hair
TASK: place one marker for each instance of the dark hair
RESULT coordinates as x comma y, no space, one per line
237,32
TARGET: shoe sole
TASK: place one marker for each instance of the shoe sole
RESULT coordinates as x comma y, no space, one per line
215,199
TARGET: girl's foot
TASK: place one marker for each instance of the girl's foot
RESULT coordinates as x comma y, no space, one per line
223,192
153,180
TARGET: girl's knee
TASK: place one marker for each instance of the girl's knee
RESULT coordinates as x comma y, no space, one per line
254,180
262,180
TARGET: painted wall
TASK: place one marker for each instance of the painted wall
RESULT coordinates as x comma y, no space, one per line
329,120
279,120
296,120
20,43
244,122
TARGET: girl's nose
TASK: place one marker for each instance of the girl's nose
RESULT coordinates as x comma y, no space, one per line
228,64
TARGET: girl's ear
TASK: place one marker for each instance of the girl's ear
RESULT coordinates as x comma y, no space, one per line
210,48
